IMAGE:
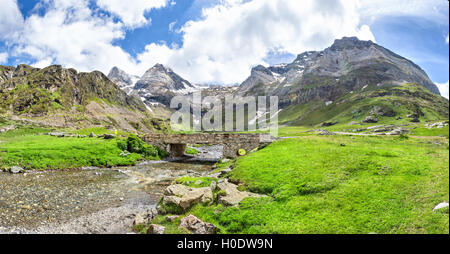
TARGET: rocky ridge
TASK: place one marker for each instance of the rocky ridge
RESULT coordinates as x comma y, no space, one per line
61,97
347,65
157,86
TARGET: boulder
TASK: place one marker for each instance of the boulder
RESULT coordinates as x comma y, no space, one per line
370,119
172,218
382,111
181,198
440,206
213,185
382,130
327,124
92,135
375,127
56,134
437,125
7,128
326,133
156,229
196,226
109,136
223,172
398,131
16,170
144,217
232,195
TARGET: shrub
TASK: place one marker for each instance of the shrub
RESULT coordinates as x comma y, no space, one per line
123,145
403,136
134,144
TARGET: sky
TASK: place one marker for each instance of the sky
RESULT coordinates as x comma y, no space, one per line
215,41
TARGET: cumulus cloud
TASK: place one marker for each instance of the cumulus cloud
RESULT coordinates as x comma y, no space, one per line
70,34
3,57
222,45
235,35
11,18
443,88
132,13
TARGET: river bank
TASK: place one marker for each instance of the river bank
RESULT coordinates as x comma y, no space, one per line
93,200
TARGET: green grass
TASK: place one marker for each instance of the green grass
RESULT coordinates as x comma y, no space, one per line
315,185
195,182
97,131
290,131
422,131
354,107
191,151
30,149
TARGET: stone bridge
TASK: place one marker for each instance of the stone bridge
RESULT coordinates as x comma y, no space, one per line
231,142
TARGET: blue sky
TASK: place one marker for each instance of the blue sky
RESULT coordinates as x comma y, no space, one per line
215,40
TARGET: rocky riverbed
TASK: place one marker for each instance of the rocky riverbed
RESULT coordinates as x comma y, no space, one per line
91,200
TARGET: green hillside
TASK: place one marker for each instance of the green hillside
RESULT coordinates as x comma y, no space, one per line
388,103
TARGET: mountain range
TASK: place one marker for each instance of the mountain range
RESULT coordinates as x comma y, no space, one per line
59,97
158,85
349,82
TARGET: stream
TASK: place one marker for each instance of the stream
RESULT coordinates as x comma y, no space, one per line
91,200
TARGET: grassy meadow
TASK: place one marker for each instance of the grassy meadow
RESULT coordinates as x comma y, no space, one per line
340,184
313,184
29,148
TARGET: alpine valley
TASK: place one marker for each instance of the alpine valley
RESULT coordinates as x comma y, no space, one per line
363,148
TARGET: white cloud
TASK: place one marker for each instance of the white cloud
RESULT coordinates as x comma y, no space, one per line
220,46
446,39
70,34
3,57
235,35
11,18
443,88
132,13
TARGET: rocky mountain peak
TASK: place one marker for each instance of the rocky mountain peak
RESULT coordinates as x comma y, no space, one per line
119,74
260,68
160,67
350,43
346,66
124,80
161,76
115,71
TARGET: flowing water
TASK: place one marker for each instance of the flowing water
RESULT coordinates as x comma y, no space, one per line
89,200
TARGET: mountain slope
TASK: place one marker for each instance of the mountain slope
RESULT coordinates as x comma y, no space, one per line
348,64
62,97
350,71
